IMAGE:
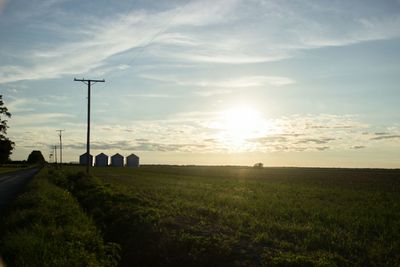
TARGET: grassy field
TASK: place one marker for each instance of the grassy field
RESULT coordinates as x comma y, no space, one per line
5,169
238,216
14,166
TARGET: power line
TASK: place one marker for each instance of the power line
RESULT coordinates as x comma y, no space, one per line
89,83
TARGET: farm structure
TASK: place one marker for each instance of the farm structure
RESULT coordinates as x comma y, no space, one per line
117,160
132,161
83,159
101,160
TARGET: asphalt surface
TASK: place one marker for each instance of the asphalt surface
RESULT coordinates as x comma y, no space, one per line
12,183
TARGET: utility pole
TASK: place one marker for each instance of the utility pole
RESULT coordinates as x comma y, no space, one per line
55,155
89,83
59,134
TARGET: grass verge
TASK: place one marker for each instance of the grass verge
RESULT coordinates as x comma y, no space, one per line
123,219
47,227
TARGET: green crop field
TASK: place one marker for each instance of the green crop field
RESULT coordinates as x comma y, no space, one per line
241,216
272,216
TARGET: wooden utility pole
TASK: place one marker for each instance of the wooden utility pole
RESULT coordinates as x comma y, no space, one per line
55,155
89,83
59,134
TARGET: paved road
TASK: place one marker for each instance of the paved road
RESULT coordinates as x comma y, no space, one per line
12,183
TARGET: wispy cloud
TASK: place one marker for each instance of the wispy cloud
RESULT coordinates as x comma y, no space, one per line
91,45
384,137
226,32
2,5
313,132
358,147
209,93
194,133
17,105
319,141
29,106
155,95
237,82
37,119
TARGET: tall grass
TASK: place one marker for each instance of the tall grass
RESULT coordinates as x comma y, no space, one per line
47,227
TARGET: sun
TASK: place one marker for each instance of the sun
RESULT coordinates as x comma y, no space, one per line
239,124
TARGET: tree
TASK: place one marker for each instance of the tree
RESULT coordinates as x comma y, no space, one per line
35,157
6,145
258,165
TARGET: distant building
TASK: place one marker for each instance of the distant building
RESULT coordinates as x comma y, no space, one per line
83,159
132,161
117,160
101,160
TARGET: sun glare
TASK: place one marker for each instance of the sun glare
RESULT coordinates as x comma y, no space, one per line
240,124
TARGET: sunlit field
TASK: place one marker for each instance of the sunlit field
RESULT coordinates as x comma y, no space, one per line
245,216
206,216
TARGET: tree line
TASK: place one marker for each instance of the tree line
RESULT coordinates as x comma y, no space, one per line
6,145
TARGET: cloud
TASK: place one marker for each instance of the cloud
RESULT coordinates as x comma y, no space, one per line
291,27
223,32
237,82
137,146
358,147
17,105
2,5
91,45
384,137
37,119
152,95
290,142
209,93
319,141
218,55
193,133
21,106
382,133
308,133
277,138
148,146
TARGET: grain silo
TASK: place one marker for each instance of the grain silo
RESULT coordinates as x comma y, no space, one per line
132,161
101,160
117,160
83,159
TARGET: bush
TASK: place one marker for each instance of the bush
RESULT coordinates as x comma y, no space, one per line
258,165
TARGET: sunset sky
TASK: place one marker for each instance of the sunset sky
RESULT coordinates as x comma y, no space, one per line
285,83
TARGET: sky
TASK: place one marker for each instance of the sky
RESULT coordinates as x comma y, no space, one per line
229,82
